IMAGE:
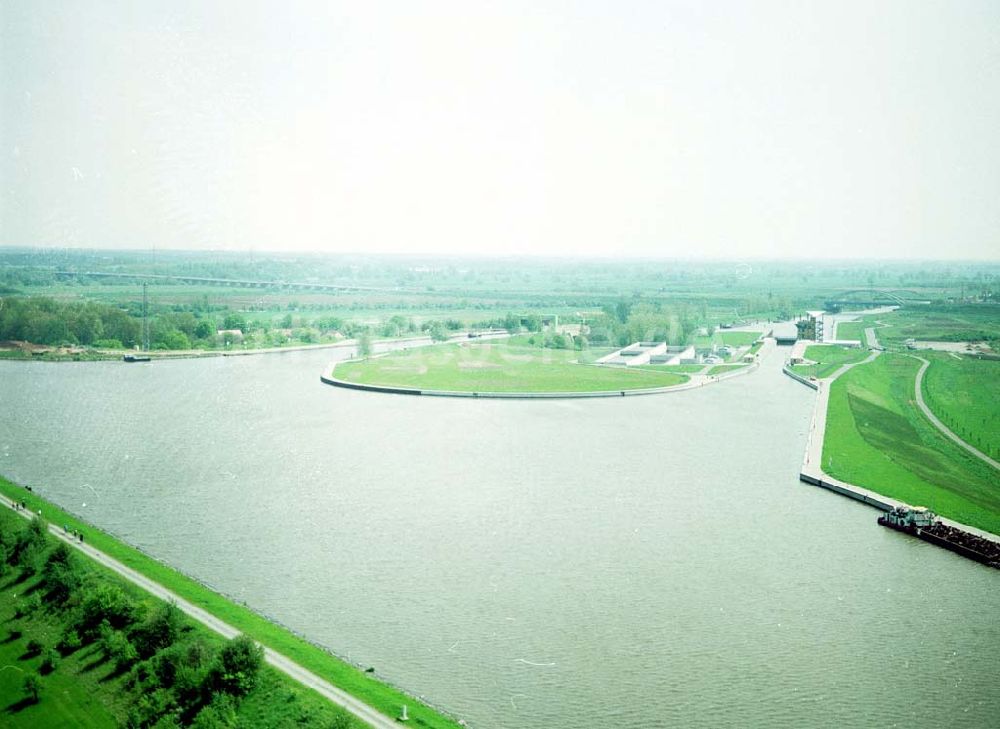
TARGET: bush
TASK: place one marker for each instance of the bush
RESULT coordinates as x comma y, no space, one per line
108,344
106,603
34,647
50,660
69,642
118,648
236,668
59,574
32,687
159,631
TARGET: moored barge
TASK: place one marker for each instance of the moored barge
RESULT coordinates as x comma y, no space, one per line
922,523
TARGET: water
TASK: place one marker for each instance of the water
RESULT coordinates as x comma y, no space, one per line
635,562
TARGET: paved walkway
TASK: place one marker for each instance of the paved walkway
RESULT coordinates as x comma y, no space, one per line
343,699
938,424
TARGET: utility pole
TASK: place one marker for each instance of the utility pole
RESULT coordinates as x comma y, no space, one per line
145,320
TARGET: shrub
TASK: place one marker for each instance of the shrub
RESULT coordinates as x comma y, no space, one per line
236,668
34,647
106,603
59,574
32,687
50,660
69,642
159,630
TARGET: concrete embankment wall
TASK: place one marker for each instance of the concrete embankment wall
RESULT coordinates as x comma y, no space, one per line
690,385
851,492
505,395
796,376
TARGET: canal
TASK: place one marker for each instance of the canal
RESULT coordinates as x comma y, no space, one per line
635,562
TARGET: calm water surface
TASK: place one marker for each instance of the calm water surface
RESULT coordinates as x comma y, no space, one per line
634,562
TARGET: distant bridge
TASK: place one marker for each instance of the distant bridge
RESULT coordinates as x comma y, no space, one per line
244,283
876,297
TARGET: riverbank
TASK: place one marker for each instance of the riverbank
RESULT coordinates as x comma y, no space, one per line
900,493
311,665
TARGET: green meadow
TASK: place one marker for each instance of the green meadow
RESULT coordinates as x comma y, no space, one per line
876,437
964,393
829,358
498,366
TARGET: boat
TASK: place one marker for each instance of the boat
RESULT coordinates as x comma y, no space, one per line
137,358
922,523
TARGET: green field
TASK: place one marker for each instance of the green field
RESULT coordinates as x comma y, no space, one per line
728,338
501,366
965,394
956,323
876,437
683,369
829,358
722,369
851,331
350,678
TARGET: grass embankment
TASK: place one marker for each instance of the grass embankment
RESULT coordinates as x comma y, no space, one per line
103,653
727,338
945,323
350,678
851,331
507,366
683,369
829,358
964,393
877,437
722,369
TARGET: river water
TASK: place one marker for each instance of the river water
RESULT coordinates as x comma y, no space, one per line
634,562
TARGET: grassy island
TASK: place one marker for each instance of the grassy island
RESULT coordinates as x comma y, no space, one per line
500,366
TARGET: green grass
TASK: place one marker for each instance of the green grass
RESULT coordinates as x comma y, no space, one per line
955,323
851,331
876,437
498,367
728,338
381,696
829,358
737,339
70,696
964,393
684,369
720,369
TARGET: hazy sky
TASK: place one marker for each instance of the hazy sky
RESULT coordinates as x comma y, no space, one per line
723,129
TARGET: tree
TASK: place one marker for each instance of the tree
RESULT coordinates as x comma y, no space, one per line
59,575
32,687
364,344
237,665
438,332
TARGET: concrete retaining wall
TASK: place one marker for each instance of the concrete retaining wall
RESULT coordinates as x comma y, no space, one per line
796,376
505,395
851,492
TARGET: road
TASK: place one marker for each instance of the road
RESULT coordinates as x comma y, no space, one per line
326,689
938,424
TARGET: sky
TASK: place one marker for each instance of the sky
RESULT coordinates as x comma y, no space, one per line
638,129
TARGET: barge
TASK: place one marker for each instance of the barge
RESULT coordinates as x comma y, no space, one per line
922,523
136,358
